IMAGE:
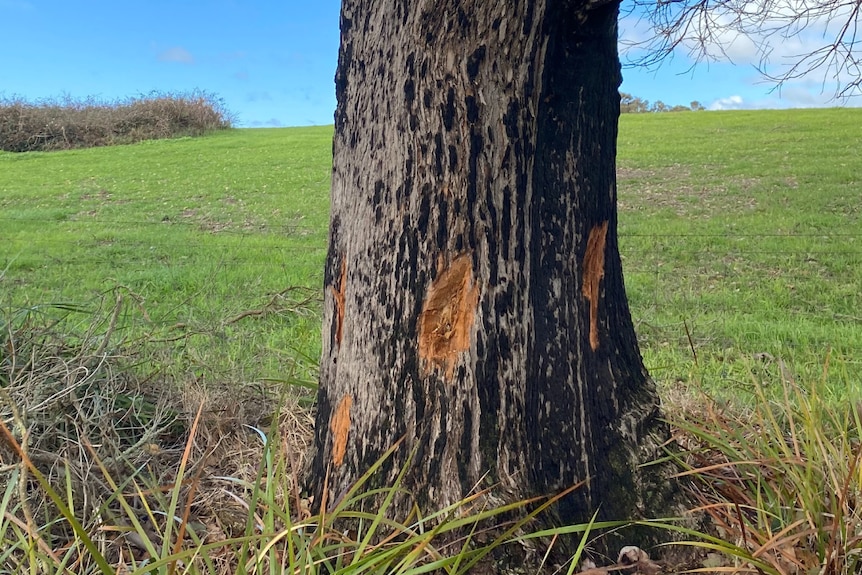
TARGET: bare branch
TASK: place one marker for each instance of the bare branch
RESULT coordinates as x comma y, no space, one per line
825,34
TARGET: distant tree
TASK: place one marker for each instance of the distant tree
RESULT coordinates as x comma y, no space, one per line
632,105
696,106
659,106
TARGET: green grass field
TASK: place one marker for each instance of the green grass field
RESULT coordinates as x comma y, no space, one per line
740,233
743,261
202,235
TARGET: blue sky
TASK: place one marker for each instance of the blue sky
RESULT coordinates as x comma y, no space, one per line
273,62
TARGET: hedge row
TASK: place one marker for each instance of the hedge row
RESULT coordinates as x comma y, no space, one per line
65,124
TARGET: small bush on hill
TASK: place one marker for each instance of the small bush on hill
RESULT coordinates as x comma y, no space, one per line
66,123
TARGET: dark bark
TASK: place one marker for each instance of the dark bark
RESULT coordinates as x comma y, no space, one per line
474,291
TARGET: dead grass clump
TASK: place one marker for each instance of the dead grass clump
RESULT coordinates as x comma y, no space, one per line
779,478
65,123
123,451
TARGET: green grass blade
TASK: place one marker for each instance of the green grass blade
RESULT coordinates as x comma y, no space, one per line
576,558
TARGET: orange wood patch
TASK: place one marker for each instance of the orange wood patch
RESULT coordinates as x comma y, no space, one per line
594,271
339,425
338,296
447,316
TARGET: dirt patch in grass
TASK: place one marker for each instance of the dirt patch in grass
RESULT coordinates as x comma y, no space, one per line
676,189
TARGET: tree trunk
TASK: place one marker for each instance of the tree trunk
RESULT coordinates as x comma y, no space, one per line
474,290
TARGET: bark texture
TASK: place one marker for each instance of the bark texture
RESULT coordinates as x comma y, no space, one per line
474,291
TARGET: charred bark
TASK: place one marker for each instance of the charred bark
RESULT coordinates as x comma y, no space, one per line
474,291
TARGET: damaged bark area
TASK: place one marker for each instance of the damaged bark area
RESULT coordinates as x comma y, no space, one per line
447,316
594,271
338,300
474,297
339,425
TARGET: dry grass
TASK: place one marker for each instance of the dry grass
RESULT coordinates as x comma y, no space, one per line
66,124
117,444
111,466
778,474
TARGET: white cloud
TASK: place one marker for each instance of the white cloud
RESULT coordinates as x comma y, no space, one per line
271,123
791,96
735,47
634,29
233,56
779,28
803,95
258,96
729,103
810,92
176,54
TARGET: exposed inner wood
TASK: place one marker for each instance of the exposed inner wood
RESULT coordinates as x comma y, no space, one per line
339,425
338,295
594,271
447,316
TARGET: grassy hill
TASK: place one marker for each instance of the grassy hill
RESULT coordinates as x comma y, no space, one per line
196,232
742,238
740,233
